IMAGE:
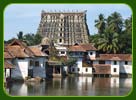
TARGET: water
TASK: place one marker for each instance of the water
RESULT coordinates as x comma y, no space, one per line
73,86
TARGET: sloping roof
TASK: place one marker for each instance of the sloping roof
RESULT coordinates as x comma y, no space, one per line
88,47
19,49
8,64
82,47
76,48
124,57
22,46
17,42
7,54
37,51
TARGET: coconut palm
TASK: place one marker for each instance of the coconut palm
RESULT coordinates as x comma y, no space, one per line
108,43
128,25
20,35
126,37
100,24
115,23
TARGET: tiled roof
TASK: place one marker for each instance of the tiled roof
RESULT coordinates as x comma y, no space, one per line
17,51
22,47
37,51
117,57
82,47
124,57
7,54
76,48
8,64
88,46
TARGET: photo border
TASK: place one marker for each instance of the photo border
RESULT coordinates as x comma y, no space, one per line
130,94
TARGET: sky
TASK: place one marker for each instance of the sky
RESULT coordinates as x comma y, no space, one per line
26,17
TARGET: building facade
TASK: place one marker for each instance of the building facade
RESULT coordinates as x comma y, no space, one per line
82,53
64,28
27,61
91,63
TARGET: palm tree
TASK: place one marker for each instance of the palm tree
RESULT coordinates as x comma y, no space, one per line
128,25
108,43
20,35
126,37
115,23
100,24
94,39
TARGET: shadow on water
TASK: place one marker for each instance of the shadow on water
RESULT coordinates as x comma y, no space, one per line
73,86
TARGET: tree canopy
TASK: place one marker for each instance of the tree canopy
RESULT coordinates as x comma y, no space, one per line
114,35
29,38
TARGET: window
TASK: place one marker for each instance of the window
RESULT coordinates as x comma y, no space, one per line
91,53
126,63
81,53
31,63
61,29
73,69
36,63
60,40
60,34
78,69
86,69
62,52
115,62
101,62
115,70
93,70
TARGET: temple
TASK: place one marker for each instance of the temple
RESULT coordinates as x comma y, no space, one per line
64,28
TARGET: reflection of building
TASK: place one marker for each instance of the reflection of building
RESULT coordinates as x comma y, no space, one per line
65,28
115,82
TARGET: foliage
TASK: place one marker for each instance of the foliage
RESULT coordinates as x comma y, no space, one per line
108,43
9,41
29,38
115,36
100,24
70,62
32,39
115,23
20,35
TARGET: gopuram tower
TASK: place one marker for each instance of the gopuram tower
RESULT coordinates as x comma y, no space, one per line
64,28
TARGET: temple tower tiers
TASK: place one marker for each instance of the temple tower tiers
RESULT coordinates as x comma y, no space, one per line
64,28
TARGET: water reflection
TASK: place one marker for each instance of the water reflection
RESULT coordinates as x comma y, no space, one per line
73,86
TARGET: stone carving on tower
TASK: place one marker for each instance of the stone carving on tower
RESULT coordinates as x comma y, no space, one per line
64,28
